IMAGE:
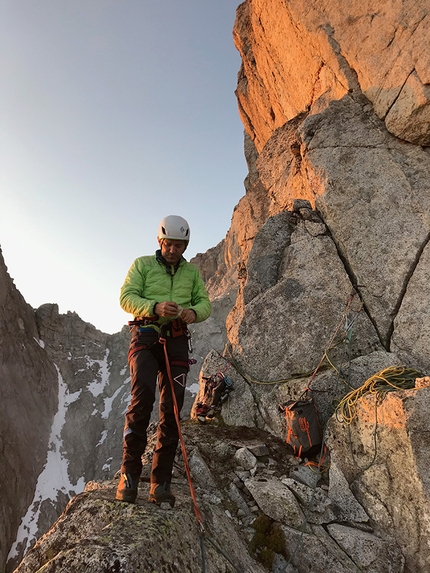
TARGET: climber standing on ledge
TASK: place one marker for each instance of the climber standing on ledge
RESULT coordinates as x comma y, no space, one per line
165,294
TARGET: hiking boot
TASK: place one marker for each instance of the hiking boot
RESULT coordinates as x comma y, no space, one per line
127,488
160,493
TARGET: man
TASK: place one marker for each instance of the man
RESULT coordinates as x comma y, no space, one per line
164,293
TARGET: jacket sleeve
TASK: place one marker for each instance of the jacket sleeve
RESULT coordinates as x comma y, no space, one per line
200,302
131,297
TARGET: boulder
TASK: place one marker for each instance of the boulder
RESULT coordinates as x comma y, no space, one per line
373,452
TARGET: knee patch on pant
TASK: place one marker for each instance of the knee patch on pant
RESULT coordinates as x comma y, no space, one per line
181,363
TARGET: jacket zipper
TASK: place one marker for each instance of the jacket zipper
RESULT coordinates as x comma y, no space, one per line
172,273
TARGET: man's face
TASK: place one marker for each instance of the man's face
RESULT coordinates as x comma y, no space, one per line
172,250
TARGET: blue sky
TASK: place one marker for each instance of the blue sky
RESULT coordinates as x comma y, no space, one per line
114,114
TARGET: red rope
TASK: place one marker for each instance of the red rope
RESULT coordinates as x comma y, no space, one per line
198,515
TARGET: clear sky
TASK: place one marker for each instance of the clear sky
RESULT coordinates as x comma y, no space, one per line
114,114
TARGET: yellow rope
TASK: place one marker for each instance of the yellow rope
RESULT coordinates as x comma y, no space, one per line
297,376
387,380
250,380
332,344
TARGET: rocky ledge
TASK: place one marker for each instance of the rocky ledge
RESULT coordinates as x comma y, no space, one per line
262,510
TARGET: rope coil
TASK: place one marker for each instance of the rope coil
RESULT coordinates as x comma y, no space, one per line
386,380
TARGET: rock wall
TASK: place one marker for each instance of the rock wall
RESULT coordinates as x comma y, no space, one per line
299,56
29,390
333,100
396,499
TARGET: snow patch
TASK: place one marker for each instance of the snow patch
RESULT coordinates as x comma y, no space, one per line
97,386
39,342
193,388
54,476
106,467
102,438
108,402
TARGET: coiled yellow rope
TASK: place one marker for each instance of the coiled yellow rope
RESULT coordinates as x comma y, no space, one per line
386,380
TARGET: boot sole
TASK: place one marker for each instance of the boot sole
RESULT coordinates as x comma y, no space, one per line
120,496
166,499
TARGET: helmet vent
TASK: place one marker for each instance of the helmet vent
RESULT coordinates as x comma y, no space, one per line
175,228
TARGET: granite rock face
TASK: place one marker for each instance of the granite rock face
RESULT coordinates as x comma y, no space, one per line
252,516
299,56
320,282
384,441
29,390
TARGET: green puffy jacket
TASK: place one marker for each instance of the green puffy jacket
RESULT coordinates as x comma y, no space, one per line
150,281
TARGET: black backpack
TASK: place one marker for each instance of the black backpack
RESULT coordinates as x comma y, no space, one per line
304,432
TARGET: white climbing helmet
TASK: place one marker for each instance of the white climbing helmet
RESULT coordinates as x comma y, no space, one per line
174,227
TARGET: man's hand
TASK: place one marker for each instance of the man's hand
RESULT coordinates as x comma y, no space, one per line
188,315
168,309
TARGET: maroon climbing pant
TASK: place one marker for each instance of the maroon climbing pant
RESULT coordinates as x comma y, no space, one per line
147,364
